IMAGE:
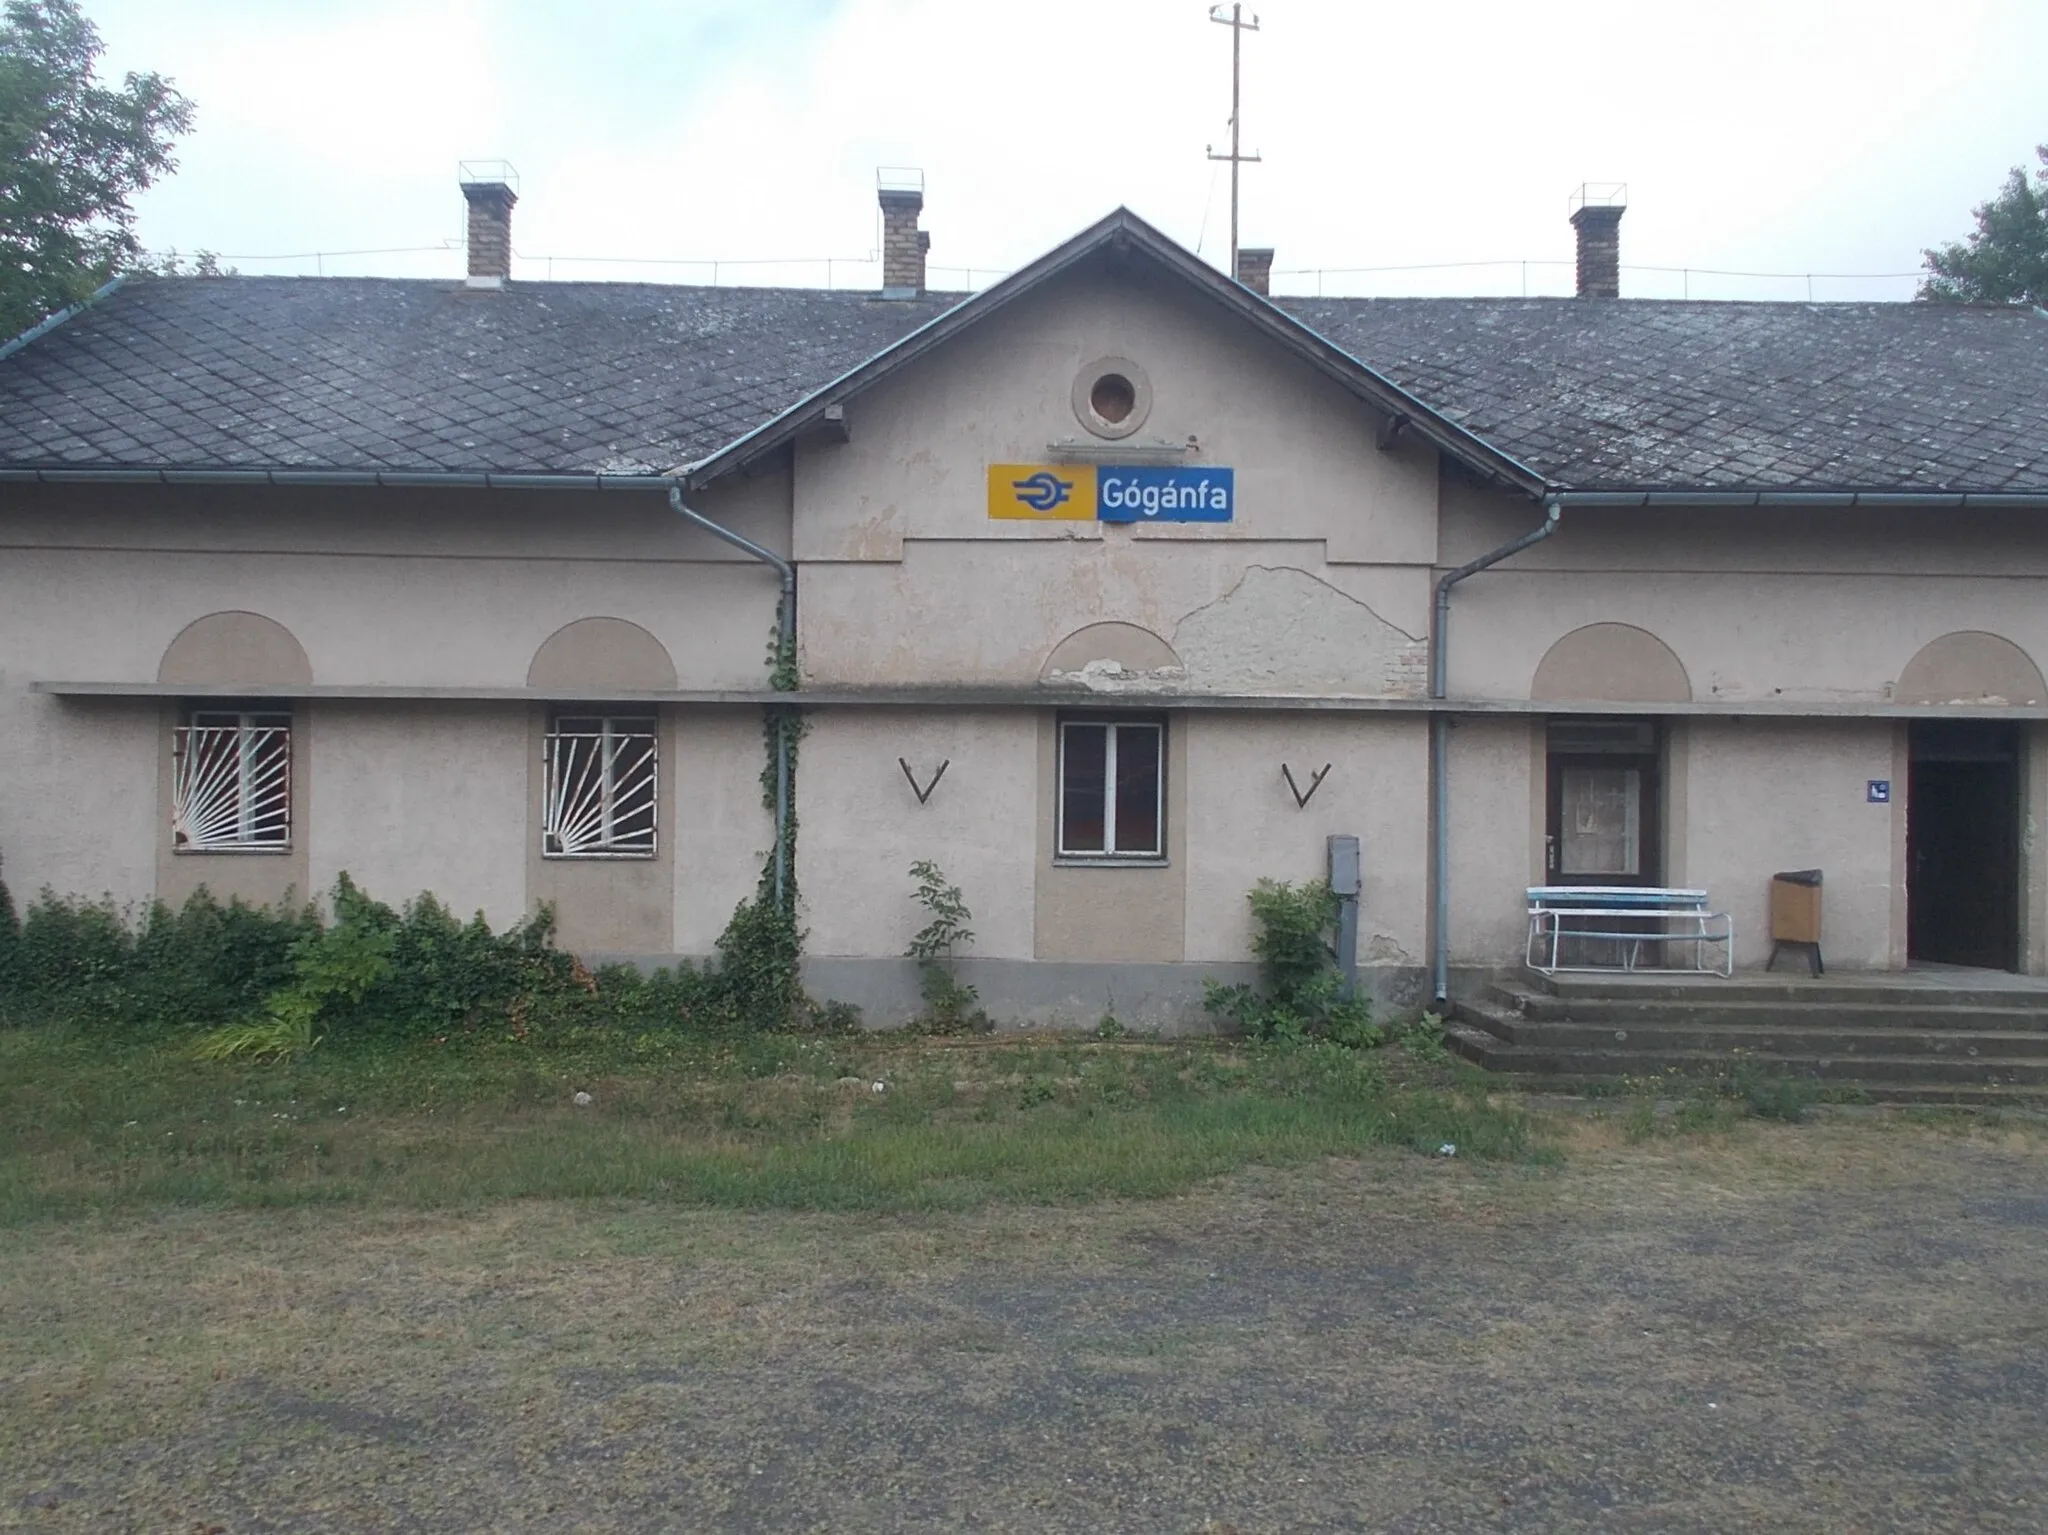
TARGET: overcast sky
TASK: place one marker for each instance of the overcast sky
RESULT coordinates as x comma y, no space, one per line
1785,136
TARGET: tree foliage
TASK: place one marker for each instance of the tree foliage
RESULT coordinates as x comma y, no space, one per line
2006,260
72,154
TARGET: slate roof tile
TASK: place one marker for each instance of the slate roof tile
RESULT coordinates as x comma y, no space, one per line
1726,396
371,374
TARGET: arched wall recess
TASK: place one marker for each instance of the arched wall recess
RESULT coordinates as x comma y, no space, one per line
1970,666
1108,652
593,654
235,649
1608,662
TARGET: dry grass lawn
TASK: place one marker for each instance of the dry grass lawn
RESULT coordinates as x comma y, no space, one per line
1836,1326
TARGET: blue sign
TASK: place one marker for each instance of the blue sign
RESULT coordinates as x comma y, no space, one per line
1165,495
1879,792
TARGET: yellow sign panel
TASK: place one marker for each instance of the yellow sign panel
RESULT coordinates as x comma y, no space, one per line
1042,492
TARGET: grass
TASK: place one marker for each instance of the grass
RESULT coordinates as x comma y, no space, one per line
775,1121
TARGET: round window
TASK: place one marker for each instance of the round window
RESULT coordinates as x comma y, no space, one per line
1112,397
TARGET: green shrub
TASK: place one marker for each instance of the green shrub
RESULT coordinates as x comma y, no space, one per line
276,979
10,947
197,966
756,984
951,1005
1300,995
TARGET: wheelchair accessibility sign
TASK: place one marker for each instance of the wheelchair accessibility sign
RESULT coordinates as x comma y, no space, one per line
1107,493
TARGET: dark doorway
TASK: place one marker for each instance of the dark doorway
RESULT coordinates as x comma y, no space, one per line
1963,845
1601,825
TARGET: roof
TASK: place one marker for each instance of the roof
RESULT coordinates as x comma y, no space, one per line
1645,394
369,374
356,376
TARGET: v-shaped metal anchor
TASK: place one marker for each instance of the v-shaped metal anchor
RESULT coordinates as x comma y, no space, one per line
925,793
1303,796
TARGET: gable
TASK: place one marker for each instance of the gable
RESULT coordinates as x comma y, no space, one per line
1216,393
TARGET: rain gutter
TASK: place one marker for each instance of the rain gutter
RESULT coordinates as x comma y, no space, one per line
1440,739
785,616
421,479
1573,500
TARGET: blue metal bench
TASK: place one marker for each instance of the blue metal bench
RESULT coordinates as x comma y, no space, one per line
1574,927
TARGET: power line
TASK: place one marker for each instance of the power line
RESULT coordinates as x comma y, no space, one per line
1701,271
715,263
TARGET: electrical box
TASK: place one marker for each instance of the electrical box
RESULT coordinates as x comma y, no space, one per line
1344,870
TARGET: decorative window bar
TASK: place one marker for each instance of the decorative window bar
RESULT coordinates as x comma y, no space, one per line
601,786
231,783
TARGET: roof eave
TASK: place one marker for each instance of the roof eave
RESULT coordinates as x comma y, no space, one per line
1794,496
424,479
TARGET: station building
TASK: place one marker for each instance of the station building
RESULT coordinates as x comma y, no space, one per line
1113,588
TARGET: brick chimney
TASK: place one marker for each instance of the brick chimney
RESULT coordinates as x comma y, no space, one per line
491,190
1255,268
1596,215
903,244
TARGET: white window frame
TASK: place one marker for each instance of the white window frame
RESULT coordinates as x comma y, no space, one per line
1109,852
237,800
581,795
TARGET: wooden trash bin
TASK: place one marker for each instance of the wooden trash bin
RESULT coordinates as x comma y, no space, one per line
1795,916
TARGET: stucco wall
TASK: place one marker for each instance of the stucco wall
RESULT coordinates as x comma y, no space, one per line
1320,585
1496,833
1764,796
862,826
720,830
454,589
420,797
457,589
1246,826
1773,605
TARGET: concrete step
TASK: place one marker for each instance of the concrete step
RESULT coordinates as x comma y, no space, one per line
1796,1036
1919,1071
1752,986
1712,1009
2032,1100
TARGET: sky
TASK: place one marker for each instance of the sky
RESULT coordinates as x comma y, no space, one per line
652,138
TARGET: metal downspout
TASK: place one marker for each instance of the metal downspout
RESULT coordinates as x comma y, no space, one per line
786,645
1440,741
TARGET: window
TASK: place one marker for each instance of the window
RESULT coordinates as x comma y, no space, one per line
1112,397
231,782
1112,793
600,786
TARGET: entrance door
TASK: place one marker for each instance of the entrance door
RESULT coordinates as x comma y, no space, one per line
1962,845
1602,823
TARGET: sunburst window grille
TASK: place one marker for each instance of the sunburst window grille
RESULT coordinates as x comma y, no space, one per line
601,786
231,783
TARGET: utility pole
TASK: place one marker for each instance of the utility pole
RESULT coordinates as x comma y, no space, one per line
1233,18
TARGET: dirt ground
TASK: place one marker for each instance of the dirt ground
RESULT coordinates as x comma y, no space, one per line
1828,1327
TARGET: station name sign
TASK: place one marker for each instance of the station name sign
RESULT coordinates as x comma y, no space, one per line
1111,493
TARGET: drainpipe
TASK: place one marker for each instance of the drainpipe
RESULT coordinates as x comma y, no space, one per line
1440,739
786,645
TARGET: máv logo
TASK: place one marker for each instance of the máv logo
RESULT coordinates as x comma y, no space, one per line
1042,491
